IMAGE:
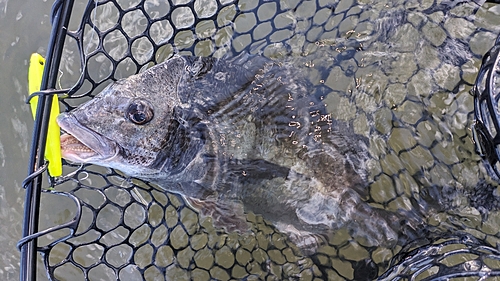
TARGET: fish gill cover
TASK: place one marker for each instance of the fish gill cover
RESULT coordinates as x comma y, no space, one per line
386,85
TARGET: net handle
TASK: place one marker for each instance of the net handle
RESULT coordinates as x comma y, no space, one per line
60,15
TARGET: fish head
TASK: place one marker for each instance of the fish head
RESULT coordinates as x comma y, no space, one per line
129,125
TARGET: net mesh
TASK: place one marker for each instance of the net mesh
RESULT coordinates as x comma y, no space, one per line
130,232
128,229
446,259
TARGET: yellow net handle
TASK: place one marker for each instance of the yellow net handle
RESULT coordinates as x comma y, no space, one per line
53,146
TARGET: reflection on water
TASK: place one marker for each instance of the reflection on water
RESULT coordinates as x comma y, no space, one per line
396,73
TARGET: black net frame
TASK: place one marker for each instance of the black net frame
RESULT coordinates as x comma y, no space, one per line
486,110
28,245
60,16
414,263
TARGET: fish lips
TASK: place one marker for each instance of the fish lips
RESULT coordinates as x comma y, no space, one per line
83,145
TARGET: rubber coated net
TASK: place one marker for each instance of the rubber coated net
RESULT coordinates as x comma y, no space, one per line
126,229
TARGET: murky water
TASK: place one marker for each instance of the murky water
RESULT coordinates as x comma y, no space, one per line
405,89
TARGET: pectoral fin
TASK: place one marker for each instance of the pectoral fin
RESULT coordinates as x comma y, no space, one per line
228,215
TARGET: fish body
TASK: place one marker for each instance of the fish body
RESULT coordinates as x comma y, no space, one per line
242,134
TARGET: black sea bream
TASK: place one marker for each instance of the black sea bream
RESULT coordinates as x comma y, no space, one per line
233,135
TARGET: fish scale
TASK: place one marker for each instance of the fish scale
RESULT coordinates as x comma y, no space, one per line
411,100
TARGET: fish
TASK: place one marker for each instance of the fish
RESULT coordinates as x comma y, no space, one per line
234,135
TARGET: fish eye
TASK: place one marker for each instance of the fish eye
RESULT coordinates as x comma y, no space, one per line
139,112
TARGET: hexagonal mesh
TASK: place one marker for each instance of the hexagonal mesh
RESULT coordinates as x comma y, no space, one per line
127,229
132,230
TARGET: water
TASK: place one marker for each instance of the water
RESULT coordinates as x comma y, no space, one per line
418,130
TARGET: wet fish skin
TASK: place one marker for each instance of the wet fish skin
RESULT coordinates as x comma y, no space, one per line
226,132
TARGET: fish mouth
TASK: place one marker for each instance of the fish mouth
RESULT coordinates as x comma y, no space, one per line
81,144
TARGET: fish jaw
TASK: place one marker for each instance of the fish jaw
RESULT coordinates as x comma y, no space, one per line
82,145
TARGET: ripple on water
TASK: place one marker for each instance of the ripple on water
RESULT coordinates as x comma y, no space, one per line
21,130
2,155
